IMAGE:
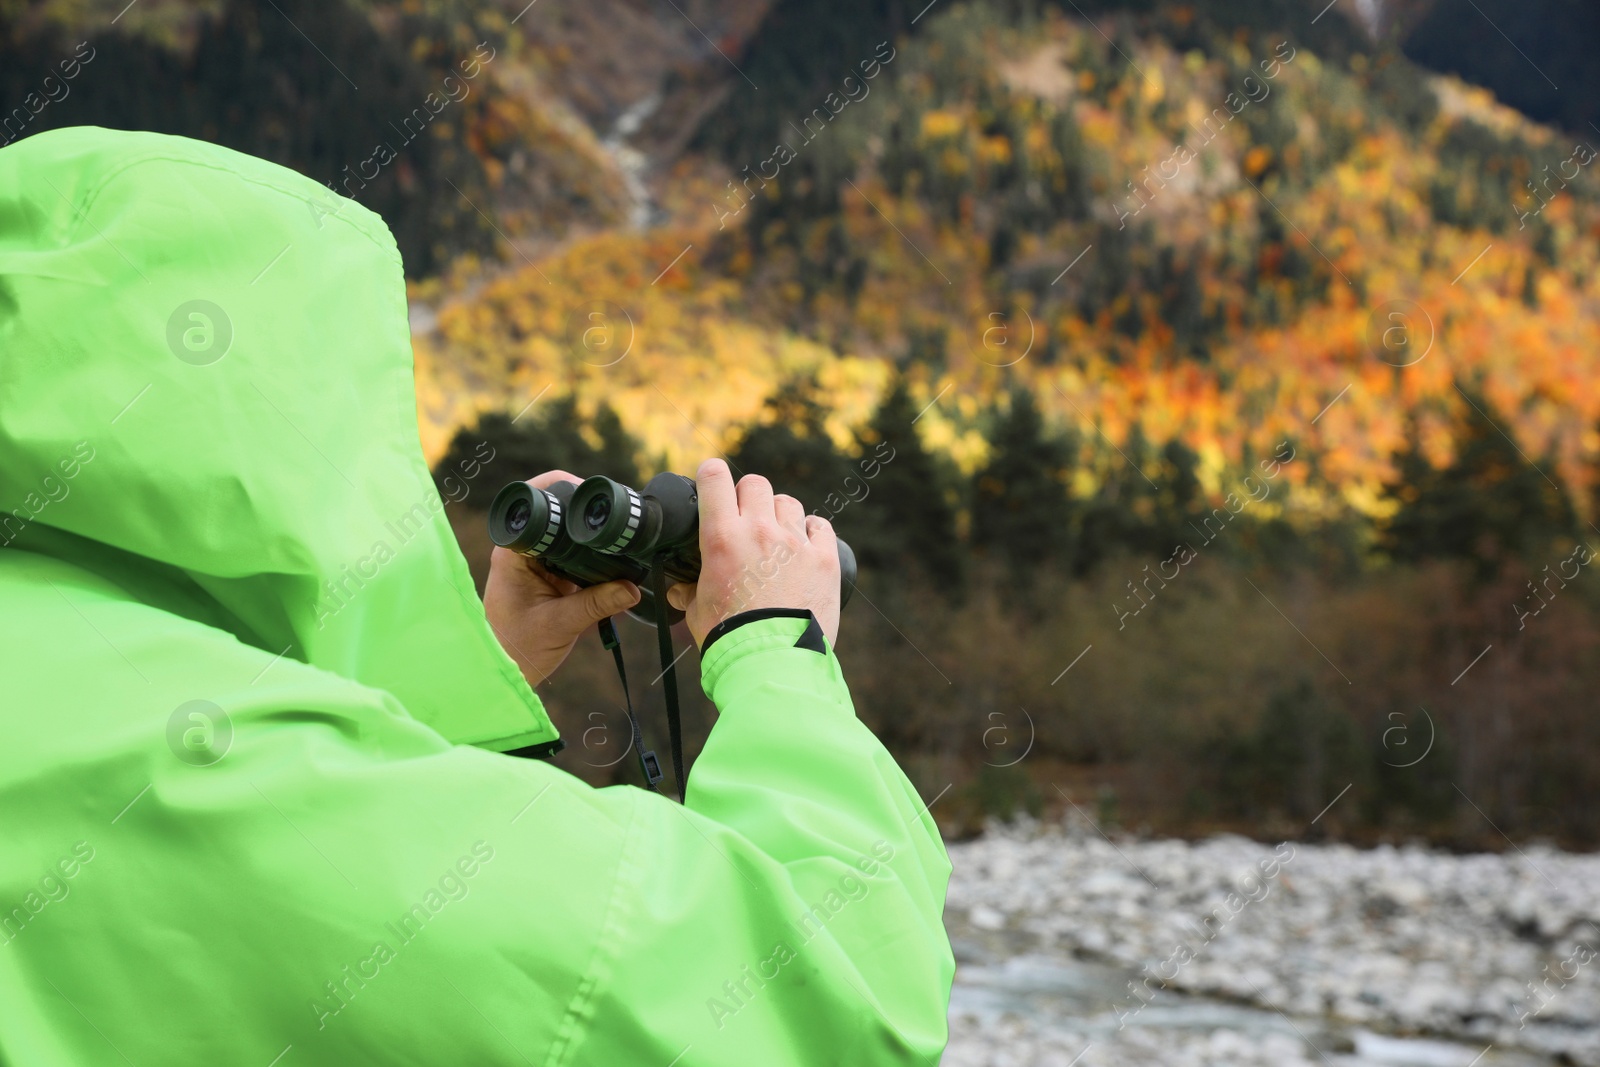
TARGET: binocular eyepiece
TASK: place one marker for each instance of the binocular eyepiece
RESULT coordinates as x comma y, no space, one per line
601,530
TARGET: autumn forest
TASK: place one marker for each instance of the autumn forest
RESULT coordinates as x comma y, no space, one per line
1208,389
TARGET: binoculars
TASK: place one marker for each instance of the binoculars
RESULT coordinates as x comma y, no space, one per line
601,530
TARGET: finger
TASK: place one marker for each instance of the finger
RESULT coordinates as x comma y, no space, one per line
791,514
530,576
719,504
571,615
681,596
549,478
819,531
564,586
755,497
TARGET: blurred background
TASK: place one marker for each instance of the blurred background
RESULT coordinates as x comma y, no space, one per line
1208,388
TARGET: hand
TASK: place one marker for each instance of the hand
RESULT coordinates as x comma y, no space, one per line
537,616
758,550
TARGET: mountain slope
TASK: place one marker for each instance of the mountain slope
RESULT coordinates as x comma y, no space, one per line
1210,244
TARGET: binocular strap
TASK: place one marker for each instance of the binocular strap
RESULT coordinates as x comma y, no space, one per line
669,673
649,765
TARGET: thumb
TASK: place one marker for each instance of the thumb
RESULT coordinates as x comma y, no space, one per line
587,606
681,595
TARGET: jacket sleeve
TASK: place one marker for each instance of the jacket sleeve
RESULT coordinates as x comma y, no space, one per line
791,912
345,886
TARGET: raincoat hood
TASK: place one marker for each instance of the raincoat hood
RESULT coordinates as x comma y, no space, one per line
237,642
206,396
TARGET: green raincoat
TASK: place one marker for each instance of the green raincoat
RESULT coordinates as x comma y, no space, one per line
253,806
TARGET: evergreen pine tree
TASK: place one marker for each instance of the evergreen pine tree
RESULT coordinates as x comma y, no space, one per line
1021,511
502,449
1489,505
790,447
1145,510
906,512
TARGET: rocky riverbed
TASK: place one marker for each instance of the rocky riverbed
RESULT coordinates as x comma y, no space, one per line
1075,949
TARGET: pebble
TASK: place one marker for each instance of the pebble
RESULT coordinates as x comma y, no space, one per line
1482,949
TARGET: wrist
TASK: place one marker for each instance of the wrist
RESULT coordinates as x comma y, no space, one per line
811,637
769,646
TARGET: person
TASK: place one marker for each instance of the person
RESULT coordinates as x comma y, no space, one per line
254,783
